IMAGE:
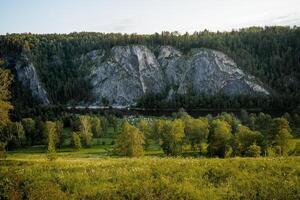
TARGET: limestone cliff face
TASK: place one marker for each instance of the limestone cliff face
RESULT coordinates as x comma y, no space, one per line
124,74
207,71
129,72
26,73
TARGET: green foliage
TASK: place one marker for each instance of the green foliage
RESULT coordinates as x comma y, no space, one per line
271,152
51,131
59,125
196,131
203,149
280,134
5,105
18,138
171,134
220,137
76,143
145,129
231,120
150,178
245,138
253,150
2,150
130,142
96,127
30,129
5,83
297,149
269,53
85,130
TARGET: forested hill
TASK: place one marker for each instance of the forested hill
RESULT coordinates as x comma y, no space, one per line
60,66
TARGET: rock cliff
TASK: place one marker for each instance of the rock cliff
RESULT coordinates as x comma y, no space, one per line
27,75
126,75
129,72
123,74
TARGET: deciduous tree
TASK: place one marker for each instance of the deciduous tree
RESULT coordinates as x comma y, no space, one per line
171,136
30,129
219,139
51,131
130,142
76,143
85,130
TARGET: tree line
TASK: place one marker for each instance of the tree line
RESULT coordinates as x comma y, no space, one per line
220,136
224,135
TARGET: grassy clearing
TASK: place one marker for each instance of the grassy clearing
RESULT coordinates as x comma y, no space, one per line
70,177
93,173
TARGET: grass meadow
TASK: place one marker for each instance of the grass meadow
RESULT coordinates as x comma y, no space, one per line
91,174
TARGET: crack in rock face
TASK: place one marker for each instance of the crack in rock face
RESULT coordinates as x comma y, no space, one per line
129,72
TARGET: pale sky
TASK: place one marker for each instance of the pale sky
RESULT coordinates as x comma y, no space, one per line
143,16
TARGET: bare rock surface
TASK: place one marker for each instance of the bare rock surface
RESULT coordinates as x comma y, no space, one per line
123,74
126,75
26,73
132,71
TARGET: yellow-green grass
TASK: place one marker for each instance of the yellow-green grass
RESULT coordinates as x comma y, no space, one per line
293,143
34,177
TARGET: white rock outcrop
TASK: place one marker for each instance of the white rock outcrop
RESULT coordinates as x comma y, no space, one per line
129,72
124,74
208,71
27,75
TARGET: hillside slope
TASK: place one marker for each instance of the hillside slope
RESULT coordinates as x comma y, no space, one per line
127,73
130,72
254,67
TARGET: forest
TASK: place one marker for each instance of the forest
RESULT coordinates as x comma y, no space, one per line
224,135
53,152
271,54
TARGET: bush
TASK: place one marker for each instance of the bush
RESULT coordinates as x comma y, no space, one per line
253,151
271,152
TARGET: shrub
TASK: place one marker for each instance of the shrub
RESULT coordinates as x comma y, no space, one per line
253,151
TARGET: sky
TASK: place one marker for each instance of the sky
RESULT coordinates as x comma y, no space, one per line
143,16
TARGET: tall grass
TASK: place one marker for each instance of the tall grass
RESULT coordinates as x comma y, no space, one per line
150,178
